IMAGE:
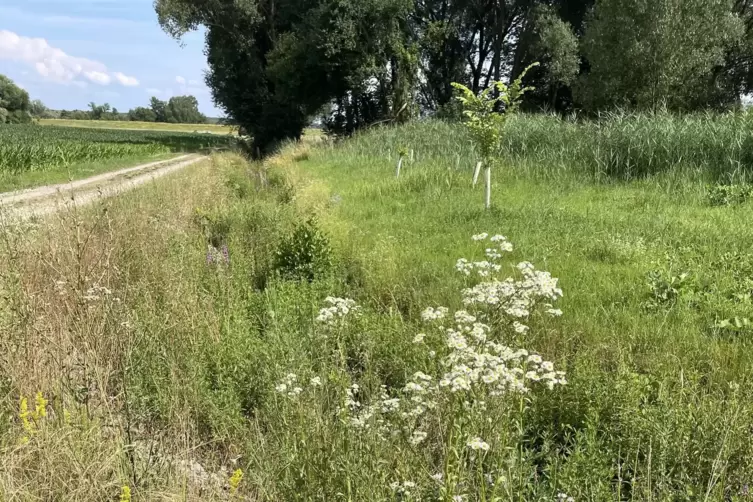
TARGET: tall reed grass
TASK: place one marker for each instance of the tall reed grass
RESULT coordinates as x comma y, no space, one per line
628,146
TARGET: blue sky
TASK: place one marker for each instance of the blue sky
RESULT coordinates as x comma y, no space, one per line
70,52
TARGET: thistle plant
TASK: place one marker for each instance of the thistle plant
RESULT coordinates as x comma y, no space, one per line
485,117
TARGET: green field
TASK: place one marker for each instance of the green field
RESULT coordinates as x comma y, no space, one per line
32,154
151,126
224,361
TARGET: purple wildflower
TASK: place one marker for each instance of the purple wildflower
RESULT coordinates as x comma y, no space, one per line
210,255
225,253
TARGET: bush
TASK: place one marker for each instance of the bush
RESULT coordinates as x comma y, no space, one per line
305,255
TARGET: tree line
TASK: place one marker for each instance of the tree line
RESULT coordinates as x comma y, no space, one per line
177,110
276,63
17,107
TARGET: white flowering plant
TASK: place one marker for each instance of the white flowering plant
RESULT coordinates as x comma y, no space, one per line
465,406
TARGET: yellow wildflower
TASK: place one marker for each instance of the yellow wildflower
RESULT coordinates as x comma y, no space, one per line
41,406
125,494
24,414
235,481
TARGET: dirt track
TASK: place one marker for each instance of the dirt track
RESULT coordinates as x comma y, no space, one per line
44,200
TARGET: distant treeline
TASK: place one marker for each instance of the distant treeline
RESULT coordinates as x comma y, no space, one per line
177,110
17,108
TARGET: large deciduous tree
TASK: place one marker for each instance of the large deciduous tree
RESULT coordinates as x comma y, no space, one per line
14,102
652,53
275,63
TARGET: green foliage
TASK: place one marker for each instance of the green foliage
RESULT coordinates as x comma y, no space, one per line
658,404
39,110
559,47
14,101
486,113
728,195
183,110
305,55
650,53
304,255
142,114
633,145
667,288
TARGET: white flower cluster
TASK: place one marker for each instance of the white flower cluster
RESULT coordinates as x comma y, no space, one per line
516,298
432,314
482,268
377,414
339,308
486,268
563,497
288,385
403,488
478,444
422,393
474,360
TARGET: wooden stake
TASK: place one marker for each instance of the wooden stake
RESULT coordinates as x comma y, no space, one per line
399,166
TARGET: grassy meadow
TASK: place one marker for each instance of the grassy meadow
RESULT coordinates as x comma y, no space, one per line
276,331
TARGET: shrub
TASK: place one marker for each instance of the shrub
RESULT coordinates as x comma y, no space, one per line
305,255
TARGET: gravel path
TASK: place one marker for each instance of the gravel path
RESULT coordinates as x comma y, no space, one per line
24,204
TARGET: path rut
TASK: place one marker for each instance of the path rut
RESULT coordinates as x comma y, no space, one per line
24,204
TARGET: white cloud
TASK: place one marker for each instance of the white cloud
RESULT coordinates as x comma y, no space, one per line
126,80
194,82
98,77
54,64
180,80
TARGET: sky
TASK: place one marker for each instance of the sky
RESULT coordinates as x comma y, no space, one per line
71,52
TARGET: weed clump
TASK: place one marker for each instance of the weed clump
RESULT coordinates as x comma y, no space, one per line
729,195
305,255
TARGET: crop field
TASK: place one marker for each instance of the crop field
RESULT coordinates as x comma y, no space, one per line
134,125
315,326
35,148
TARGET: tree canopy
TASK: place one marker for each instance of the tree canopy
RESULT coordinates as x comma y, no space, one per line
14,102
273,64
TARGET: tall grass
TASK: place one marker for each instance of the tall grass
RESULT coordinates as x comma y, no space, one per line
629,146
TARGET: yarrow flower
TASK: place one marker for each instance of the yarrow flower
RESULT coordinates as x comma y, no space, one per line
475,367
432,314
563,497
477,444
417,438
403,488
520,328
480,237
339,308
287,386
